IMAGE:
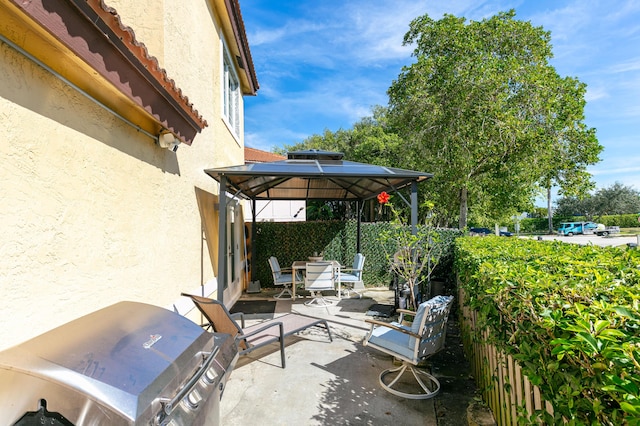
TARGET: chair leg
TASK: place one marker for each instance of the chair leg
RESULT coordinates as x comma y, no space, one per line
319,301
430,385
284,291
348,290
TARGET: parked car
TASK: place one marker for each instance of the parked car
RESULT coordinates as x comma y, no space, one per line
575,228
487,231
483,231
603,230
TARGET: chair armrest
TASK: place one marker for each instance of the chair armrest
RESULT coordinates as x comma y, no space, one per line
393,327
238,315
405,312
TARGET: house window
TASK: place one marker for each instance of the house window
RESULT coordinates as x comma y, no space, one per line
231,96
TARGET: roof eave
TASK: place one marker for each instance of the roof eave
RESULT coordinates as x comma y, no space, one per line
93,32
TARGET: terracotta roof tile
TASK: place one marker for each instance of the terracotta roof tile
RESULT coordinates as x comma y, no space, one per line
252,155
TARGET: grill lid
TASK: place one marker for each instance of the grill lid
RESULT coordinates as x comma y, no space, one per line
127,345
124,355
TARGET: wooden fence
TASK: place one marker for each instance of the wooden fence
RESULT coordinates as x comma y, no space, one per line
505,389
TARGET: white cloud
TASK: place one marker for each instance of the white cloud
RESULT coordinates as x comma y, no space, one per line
625,67
595,93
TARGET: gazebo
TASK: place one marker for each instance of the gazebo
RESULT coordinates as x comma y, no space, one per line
308,175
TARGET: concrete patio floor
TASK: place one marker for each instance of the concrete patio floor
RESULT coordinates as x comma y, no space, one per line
337,382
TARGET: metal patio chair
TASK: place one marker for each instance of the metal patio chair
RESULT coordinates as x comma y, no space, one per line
412,344
256,336
351,278
321,276
283,279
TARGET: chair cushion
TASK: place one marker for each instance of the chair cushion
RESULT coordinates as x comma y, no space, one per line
393,341
435,303
344,277
283,279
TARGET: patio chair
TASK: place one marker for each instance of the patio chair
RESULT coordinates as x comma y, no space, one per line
255,336
412,344
351,278
320,277
281,279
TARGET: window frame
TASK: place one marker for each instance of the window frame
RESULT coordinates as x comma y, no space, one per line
230,94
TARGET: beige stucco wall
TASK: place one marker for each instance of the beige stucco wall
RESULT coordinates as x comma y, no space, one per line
91,211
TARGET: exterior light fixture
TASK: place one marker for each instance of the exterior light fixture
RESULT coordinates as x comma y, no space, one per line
169,141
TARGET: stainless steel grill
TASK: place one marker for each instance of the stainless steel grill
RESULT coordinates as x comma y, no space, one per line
127,364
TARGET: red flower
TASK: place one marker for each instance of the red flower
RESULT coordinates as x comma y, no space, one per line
383,197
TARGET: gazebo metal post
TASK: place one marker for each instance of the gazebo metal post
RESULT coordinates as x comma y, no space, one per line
414,207
253,238
222,237
358,234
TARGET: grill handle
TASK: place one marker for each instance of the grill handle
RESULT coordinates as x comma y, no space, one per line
170,404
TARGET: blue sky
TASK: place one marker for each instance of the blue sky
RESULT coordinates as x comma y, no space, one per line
323,64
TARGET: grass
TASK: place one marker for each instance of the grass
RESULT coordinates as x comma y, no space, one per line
629,231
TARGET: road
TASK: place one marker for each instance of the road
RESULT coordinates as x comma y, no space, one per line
615,240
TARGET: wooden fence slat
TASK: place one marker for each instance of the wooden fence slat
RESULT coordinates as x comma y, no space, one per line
512,391
504,387
519,393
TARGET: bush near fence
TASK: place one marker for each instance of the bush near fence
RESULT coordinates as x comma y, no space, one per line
568,314
336,240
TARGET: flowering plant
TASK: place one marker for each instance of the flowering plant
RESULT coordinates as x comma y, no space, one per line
414,254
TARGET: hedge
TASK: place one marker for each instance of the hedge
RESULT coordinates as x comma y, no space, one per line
336,240
568,314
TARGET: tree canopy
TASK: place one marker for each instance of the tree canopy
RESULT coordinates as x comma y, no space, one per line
616,199
483,111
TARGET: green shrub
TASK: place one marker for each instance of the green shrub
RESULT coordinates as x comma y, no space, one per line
568,314
291,241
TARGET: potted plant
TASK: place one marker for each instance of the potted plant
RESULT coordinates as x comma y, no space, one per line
412,255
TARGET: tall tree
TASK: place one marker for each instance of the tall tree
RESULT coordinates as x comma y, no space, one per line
615,199
574,146
475,108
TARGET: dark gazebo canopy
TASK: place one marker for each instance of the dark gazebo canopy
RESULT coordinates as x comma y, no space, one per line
308,175
314,175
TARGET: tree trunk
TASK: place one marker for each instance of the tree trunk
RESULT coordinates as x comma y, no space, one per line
463,208
549,214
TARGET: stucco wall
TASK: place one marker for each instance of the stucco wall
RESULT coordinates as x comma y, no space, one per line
91,211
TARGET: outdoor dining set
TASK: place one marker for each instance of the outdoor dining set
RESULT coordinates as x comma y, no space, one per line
318,275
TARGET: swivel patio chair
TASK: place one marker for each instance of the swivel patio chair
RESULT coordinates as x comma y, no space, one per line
424,338
320,277
258,335
282,279
350,279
